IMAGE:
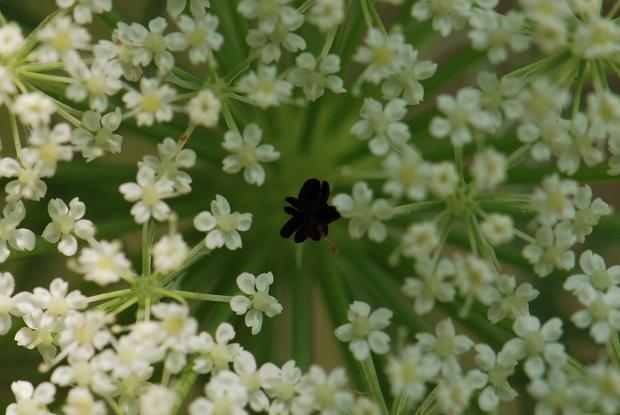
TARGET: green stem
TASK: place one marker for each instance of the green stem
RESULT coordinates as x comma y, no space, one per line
580,80
366,13
237,70
148,229
400,405
183,387
15,135
428,402
190,295
114,405
416,207
612,12
376,17
47,77
329,40
111,294
613,348
369,375
230,121
124,306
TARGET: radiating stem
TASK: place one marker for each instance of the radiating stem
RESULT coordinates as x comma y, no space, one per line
190,295
369,374
111,294
148,229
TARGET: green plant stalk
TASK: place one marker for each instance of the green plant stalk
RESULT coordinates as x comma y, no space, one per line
613,348
190,295
148,229
400,406
369,375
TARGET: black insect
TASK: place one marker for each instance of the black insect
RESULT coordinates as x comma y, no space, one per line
311,213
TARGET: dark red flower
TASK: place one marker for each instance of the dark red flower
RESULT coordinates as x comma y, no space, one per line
310,211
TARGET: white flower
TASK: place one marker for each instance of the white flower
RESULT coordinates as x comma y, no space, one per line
7,87
474,277
214,355
57,301
461,117
49,147
81,402
554,200
204,108
498,33
38,332
267,43
224,394
60,38
84,333
366,215
443,179
31,401
169,252
222,225
245,367
365,406
103,263
256,300
148,193
497,228
536,344
541,101
66,222
589,212
247,154
604,109
167,166
97,134
326,14
405,83
498,97
556,393
454,391
498,368
34,108
513,301
419,240
96,83
448,15
313,77
551,249
28,173
152,103
178,329
382,126
407,174
606,381
8,301
282,385
488,169
325,393
431,284
152,45
446,345
409,371
267,12
20,239
11,39
263,86
364,330
596,38
157,400
382,55
202,37
602,314
197,7
595,274
586,144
